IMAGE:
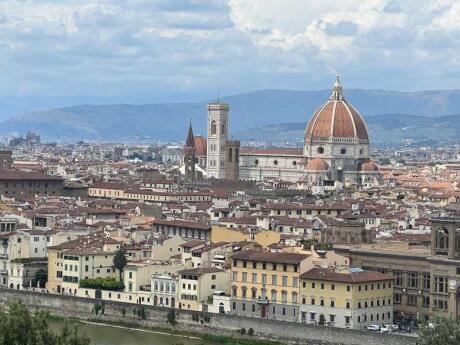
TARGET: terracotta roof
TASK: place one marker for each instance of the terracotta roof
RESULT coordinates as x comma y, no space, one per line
257,255
317,164
201,148
345,277
200,270
336,118
368,165
21,175
183,224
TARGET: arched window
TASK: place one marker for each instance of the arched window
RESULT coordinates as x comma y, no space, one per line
161,287
442,239
173,288
222,130
230,154
167,287
237,155
213,127
155,286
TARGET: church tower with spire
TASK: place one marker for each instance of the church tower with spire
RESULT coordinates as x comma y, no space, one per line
190,156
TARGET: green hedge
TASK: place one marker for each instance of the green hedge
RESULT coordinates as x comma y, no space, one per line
103,284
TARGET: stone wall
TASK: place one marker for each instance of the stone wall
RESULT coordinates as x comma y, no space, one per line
83,308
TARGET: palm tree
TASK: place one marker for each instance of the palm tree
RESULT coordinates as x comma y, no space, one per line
120,261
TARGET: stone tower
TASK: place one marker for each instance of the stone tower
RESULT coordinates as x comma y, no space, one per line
6,159
189,156
233,160
217,137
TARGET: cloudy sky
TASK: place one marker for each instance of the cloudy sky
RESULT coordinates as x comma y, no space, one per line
152,49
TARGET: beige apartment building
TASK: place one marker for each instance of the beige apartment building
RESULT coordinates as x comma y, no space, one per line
427,280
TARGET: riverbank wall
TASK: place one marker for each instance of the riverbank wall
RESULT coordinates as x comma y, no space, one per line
197,322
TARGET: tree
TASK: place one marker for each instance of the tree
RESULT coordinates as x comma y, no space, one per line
439,331
40,278
120,261
172,317
20,326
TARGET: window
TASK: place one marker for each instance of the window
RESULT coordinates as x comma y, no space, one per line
348,305
398,278
412,279
284,280
440,284
426,281
254,278
235,276
274,295
412,299
264,279
312,301
397,298
244,277
295,282
442,241
426,301
348,288
332,286
284,296
320,150
213,127
332,304
244,292
274,280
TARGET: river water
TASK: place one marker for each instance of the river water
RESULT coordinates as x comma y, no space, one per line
107,335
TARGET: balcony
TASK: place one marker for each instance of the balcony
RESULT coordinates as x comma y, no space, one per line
262,300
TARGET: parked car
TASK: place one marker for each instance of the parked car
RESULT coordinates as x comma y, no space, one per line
374,328
386,329
395,328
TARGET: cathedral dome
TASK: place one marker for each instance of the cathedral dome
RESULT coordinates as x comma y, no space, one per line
368,166
200,145
317,164
336,119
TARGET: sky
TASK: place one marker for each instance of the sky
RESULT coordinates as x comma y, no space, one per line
161,49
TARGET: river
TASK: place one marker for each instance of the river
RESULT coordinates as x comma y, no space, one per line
108,335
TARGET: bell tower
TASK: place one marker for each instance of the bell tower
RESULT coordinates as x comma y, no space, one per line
217,137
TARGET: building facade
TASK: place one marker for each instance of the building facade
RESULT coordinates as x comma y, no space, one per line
427,281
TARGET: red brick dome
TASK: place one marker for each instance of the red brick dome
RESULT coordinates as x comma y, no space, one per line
317,164
336,118
368,166
201,145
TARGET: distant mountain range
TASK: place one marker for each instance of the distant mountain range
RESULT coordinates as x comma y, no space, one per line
384,130
253,116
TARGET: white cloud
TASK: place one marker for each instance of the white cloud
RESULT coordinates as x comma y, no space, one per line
129,46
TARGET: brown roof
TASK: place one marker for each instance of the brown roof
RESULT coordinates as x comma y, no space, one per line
257,255
192,243
21,175
200,270
349,277
201,148
183,224
317,164
336,118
